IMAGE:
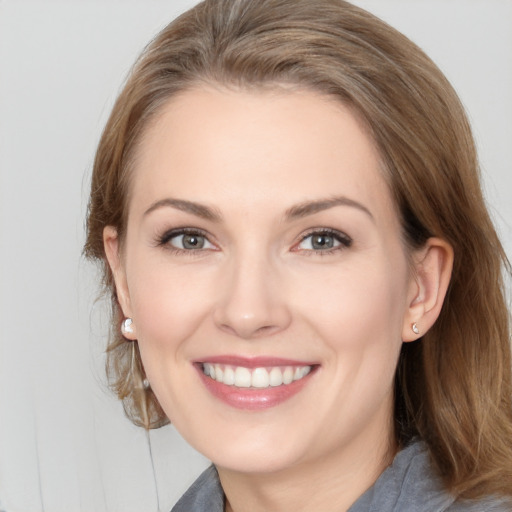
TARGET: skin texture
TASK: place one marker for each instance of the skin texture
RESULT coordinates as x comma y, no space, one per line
258,287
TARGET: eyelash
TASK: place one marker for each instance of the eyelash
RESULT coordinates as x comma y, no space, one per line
164,240
344,241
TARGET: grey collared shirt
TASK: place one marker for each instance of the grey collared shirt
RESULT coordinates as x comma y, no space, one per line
408,485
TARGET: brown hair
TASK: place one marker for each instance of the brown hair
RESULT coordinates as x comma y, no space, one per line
453,387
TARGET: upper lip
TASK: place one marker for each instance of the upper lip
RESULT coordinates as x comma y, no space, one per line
253,362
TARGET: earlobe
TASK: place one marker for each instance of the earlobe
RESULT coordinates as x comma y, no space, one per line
432,271
112,251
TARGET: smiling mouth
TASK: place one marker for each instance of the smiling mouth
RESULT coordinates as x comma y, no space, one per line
257,378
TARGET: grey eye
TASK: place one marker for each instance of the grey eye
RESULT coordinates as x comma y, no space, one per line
190,241
319,242
324,241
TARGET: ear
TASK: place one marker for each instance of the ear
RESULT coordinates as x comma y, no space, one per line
112,251
430,280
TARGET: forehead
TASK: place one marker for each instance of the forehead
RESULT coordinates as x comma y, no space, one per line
247,147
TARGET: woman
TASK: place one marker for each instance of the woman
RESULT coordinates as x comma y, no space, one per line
304,277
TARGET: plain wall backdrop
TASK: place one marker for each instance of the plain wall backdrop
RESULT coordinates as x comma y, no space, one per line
65,445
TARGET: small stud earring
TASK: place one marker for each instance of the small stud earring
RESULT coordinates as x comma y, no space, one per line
415,329
126,326
146,384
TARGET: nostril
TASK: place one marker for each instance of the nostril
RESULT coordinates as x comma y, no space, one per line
266,330
249,330
250,308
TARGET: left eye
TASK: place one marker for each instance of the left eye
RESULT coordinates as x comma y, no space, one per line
190,241
323,241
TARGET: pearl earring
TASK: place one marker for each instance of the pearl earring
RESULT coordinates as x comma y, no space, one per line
126,326
415,329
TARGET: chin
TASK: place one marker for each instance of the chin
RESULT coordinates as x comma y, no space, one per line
257,461
249,450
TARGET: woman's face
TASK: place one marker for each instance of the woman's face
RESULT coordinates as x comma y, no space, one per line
263,247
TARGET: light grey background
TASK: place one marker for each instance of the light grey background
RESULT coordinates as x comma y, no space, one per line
65,445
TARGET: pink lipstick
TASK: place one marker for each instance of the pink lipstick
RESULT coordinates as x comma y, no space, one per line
254,383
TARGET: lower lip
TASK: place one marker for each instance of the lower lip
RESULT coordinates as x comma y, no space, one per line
254,399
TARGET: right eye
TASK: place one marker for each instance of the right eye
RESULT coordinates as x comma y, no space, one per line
325,241
187,240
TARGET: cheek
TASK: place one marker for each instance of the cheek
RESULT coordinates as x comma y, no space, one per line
358,314
358,317
355,299
169,306
168,303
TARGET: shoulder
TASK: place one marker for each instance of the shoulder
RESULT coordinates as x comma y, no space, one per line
408,485
411,484
491,504
204,495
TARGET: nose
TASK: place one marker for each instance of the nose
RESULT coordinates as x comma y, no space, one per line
251,303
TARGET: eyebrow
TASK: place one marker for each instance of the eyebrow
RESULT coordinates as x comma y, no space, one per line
295,212
311,207
199,210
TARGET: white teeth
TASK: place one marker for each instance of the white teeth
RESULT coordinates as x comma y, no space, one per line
229,376
209,370
242,377
288,375
276,377
261,378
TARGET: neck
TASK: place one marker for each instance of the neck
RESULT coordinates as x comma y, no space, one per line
332,482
